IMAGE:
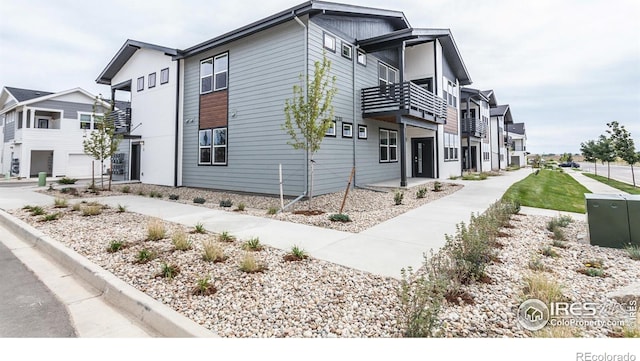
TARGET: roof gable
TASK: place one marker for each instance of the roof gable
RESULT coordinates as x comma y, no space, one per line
124,54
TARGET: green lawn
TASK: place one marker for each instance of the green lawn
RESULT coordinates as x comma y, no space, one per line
625,187
549,189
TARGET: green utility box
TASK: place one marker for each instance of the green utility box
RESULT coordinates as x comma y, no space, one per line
633,207
608,220
42,179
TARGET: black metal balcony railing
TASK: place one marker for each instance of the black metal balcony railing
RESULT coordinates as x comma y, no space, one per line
404,98
121,120
473,127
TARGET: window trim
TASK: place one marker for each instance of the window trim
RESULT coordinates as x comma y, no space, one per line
201,77
360,127
214,146
451,147
215,82
388,146
350,126
326,36
388,69
140,84
90,122
348,47
162,72
364,56
149,83
333,126
200,147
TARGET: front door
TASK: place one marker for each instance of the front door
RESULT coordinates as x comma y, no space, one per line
422,151
135,161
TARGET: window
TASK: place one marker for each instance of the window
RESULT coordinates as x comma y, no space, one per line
329,42
164,76
387,74
485,156
43,123
450,92
331,132
221,68
220,146
362,132
97,121
388,146
346,50
152,80
206,76
347,130
85,121
451,146
204,145
140,83
362,58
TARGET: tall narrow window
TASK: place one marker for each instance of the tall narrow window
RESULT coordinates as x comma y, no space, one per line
140,83
220,146
329,42
206,76
152,80
346,50
164,76
388,146
204,145
221,69
362,58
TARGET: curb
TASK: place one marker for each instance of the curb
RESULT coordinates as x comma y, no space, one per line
118,293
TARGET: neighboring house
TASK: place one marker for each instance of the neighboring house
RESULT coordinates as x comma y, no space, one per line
475,113
500,117
44,132
517,135
146,77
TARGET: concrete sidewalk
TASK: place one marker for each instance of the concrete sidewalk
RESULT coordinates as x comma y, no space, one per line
593,185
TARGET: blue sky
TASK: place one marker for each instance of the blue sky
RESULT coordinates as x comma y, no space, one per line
566,67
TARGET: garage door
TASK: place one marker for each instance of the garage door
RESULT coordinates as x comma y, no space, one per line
79,166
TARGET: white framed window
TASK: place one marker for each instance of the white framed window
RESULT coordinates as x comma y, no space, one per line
451,146
347,130
329,42
206,76
331,132
204,146
362,58
97,121
219,146
85,121
347,51
152,80
140,83
387,74
221,71
388,145
164,76
362,131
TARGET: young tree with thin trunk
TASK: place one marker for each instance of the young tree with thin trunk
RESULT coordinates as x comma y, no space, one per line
624,146
309,114
605,152
588,150
102,142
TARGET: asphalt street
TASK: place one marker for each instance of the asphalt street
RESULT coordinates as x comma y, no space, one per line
618,172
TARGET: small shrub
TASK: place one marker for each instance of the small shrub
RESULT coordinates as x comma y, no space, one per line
272,210
437,186
181,240
339,217
558,234
66,180
421,193
559,244
27,207
50,187
398,197
154,194
296,254
36,211
252,244
91,210
51,217
212,252
226,237
115,246
125,189
141,193
633,251
156,230
145,255
174,197
536,264
122,208
199,200
542,288
76,207
592,272
240,207
226,203
549,252
249,264
70,191
169,270
564,220
199,228
60,203
454,177
204,287
483,176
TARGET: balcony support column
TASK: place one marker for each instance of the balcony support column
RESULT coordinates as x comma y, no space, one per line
403,151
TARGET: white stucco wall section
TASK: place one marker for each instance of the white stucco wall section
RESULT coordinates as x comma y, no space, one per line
419,61
153,114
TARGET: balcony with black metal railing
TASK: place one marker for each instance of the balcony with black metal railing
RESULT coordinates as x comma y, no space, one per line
405,98
473,127
121,120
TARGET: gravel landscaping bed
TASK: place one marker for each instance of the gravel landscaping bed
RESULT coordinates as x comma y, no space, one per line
315,298
365,207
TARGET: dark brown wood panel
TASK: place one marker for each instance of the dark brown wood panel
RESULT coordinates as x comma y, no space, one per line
452,121
213,110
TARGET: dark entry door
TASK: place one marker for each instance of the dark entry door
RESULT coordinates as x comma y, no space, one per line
422,152
474,158
135,161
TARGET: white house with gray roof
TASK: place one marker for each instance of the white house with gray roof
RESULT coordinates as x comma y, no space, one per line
44,131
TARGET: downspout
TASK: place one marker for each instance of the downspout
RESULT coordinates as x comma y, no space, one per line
403,126
435,88
354,130
177,138
306,79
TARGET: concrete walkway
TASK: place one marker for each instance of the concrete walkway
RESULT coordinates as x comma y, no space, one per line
593,185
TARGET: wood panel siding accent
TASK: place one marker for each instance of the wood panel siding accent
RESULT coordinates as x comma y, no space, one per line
452,121
214,109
